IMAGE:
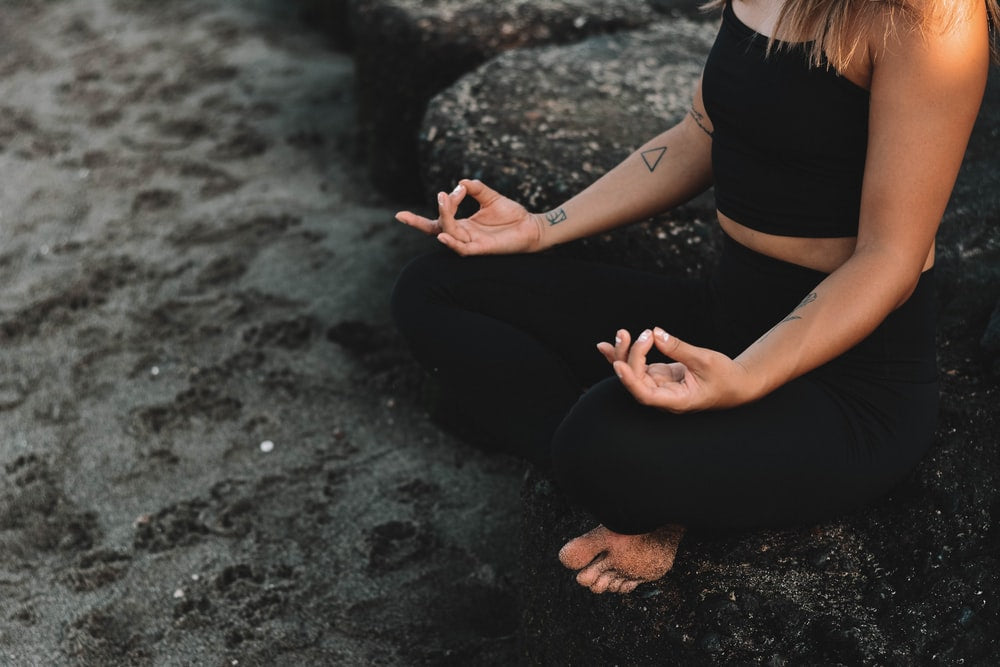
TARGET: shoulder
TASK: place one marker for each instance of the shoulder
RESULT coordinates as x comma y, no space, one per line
939,29
930,49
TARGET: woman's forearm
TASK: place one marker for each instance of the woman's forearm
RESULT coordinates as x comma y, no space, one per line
843,309
665,172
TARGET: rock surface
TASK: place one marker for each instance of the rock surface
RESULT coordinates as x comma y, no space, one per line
913,579
541,124
969,241
329,16
408,50
991,338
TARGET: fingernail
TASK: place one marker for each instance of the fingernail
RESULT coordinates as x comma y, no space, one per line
618,340
457,188
662,335
644,336
441,196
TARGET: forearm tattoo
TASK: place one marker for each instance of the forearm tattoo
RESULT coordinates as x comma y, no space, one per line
805,302
792,316
652,157
700,119
555,217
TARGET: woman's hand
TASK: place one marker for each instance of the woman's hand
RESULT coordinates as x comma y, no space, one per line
698,379
500,226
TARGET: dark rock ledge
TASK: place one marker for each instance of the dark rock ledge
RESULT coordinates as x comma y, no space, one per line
913,580
408,50
541,124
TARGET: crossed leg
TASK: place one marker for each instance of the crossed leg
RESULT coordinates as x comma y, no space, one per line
644,473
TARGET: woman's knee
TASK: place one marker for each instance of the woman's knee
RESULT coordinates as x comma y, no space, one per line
416,283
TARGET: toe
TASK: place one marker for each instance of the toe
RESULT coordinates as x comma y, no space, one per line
589,575
581,551
616,585
602,583
628,587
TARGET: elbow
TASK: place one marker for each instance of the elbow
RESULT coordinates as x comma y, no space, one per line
898,273
907,289
901,283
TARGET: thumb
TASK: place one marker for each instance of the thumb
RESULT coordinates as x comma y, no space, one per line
479,191
675,348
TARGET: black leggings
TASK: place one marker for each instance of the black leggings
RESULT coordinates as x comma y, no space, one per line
510,343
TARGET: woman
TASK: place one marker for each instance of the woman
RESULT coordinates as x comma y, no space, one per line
796,383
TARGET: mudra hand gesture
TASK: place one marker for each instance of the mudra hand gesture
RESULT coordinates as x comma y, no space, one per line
698,379
500,226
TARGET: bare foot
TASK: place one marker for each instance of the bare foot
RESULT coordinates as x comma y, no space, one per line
615,563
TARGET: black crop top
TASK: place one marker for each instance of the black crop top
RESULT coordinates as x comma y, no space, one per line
789,140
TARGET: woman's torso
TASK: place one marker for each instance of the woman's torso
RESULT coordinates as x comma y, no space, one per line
825,253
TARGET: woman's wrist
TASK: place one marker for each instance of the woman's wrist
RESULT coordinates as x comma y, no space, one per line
541,222
547,222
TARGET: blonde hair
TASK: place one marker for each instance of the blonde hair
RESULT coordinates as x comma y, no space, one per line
836,29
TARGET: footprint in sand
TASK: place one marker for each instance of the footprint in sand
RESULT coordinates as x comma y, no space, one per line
214,181
155,199
95,569
290,334
244,143
107,635
36,516
394,544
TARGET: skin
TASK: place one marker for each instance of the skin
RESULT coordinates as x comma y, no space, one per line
925,88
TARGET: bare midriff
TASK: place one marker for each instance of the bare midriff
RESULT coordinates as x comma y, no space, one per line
819,254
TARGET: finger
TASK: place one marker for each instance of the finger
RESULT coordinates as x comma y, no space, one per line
635,384
425,225
622,341
479,191
446,216
607,350
677,371
461,247
675,348
456,196
671,396
637,354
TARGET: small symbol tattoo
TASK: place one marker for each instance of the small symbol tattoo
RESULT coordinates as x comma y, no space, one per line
653,156
700,119
555,217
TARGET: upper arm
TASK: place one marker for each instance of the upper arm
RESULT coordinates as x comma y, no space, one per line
925,94
697,115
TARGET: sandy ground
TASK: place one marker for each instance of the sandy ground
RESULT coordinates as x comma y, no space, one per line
192,268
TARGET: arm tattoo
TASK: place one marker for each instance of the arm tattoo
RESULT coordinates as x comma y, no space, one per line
555,217
806,301
792,316
700,119
652,157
